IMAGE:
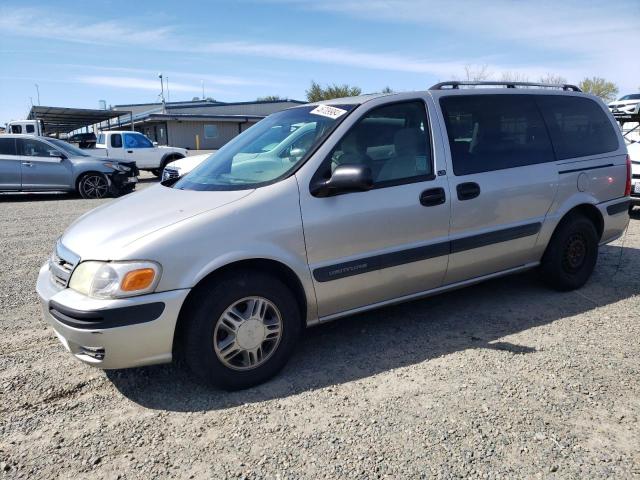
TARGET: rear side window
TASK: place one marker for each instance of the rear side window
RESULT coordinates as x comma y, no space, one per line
116,140
494,132
30,129
16,128
7,146
578,126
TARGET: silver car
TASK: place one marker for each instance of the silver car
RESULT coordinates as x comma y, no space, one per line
397,197
30,163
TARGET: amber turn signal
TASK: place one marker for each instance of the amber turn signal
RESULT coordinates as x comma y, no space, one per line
137,280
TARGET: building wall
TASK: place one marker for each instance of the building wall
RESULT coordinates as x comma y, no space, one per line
183,134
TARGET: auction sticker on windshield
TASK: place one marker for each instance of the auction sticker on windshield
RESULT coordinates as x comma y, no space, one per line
329,112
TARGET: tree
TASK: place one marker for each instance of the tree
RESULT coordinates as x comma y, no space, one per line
317,92
477,74
195,99
514,77
269,98
600,87
553,78
387,89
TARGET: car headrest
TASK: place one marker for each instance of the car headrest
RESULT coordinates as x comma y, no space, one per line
409,141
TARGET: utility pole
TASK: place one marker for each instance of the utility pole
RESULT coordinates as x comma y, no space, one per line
168,93
202,82
37,90
162,93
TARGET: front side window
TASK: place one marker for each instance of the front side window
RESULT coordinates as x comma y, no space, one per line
578,126
16,128
30,129
133,140
100,140
116,140
264,153
34,148
7,146
393,140
494,132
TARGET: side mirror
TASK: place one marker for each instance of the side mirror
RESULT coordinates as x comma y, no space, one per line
57,154
155,144
345,178
297,153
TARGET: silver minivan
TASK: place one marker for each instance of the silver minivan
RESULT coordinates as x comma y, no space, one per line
397,197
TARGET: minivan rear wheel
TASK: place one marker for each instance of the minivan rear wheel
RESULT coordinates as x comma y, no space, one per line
241,329
571,254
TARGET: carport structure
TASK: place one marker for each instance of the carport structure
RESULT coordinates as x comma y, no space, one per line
57,120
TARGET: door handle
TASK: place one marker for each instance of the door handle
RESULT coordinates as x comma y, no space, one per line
432,197
129,151
468,190
27,164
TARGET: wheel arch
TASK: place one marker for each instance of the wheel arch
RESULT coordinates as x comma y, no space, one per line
273,267
591,212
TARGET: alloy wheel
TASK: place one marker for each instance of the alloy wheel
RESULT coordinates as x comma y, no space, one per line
247,333
94,186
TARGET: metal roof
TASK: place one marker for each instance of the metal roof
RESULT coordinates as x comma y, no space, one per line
65,120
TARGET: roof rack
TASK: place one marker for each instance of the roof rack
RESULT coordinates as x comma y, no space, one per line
457,84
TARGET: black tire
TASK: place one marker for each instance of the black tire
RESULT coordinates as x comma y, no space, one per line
204,312
630,208
93,185
571,254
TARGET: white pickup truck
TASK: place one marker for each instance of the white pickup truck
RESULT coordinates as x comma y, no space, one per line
133,146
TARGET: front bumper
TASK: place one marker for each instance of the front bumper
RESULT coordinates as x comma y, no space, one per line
124,182
108,334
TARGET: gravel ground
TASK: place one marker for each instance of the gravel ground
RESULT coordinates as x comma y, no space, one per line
502,380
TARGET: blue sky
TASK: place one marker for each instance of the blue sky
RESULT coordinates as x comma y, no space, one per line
80,52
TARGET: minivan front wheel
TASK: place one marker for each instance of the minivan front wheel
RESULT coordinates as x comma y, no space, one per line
93,186
241,329
571,254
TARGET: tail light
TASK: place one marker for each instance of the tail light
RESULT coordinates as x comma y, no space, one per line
627,189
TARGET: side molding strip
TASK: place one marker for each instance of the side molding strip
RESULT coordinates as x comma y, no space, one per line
386,260
585,168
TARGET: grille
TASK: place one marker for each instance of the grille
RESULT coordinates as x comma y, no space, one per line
61,265
169,173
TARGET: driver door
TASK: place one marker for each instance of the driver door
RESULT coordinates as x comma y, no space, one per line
42,166
370,247
138,148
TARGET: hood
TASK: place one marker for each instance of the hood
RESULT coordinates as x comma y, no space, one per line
101,233
173,149
189,163
619,103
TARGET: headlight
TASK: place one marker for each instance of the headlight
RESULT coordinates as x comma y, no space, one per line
116,166
115,279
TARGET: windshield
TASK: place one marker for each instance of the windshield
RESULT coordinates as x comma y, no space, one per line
633,96
67,148
267,151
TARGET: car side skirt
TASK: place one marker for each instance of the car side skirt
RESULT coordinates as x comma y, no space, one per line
428,293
